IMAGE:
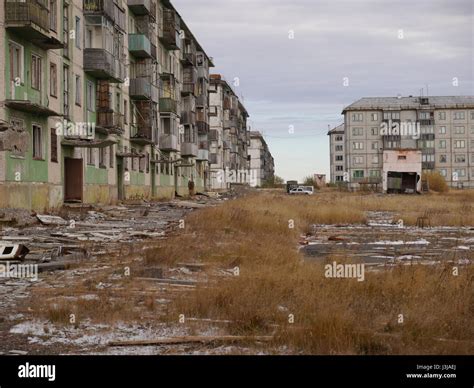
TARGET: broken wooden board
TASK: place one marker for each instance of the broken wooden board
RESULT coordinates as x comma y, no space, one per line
51,220
192,339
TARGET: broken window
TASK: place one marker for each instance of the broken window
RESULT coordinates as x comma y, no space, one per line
90,156
53,80
443,158
358,174
35,72
90,96
111,156
461,158
402,157
53,15
78,90
102,157
54,145
37,142
16,61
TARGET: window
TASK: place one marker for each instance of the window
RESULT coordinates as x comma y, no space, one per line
90,96
358,160
339,178
402,157
339,158
53,80
339,168
66,30
89,35
427,158
374,173
460,172
102,157
338,138
375,145
37,142
459,144
375,159
53,15
35,72
442,144
374,131
213,110
358,174
125,111
374,116
147,163
358,146
16,62
459,115
78,32
442,130
461,158
357,131
54,145
443,158
442,115
357,116
391,115
424,115
339,148
459,130
443,172
111,156
78,90
472,114
141,164
90,156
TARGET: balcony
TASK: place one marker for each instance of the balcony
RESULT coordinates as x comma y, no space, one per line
203,127
141,7
201,100
188,118
99,7
189,88
189,149
169,35
139,45
426,122
109,122
188,59
101,64
428,165
30,19
169,142
140,88
142,134
203,154
168,105
31,107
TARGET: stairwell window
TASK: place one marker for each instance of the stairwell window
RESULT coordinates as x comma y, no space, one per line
78,32
78,90
53,15
36,72
37,143
54,146
90,96
53,80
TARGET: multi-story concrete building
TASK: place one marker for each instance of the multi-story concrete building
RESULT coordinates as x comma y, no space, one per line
262,165
229,136
442,128
337,154
101,100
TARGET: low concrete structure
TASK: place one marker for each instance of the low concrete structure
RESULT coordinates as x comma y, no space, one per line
402,171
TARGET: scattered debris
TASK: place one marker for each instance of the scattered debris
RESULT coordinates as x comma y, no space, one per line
13,252
192,339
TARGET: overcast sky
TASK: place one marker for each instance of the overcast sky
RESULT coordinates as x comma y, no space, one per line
299,82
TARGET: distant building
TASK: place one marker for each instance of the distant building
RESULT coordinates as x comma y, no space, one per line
441,128
337,155
262,165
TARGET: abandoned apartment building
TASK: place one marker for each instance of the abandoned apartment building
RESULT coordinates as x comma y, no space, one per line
262,164
389,142
106,100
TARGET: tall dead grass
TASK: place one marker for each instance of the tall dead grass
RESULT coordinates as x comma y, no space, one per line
405,310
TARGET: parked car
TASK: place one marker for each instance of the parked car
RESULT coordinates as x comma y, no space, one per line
302,191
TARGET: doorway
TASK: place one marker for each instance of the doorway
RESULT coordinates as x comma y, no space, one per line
73,180
120,177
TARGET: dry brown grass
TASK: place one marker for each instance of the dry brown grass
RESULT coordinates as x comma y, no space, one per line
330,315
